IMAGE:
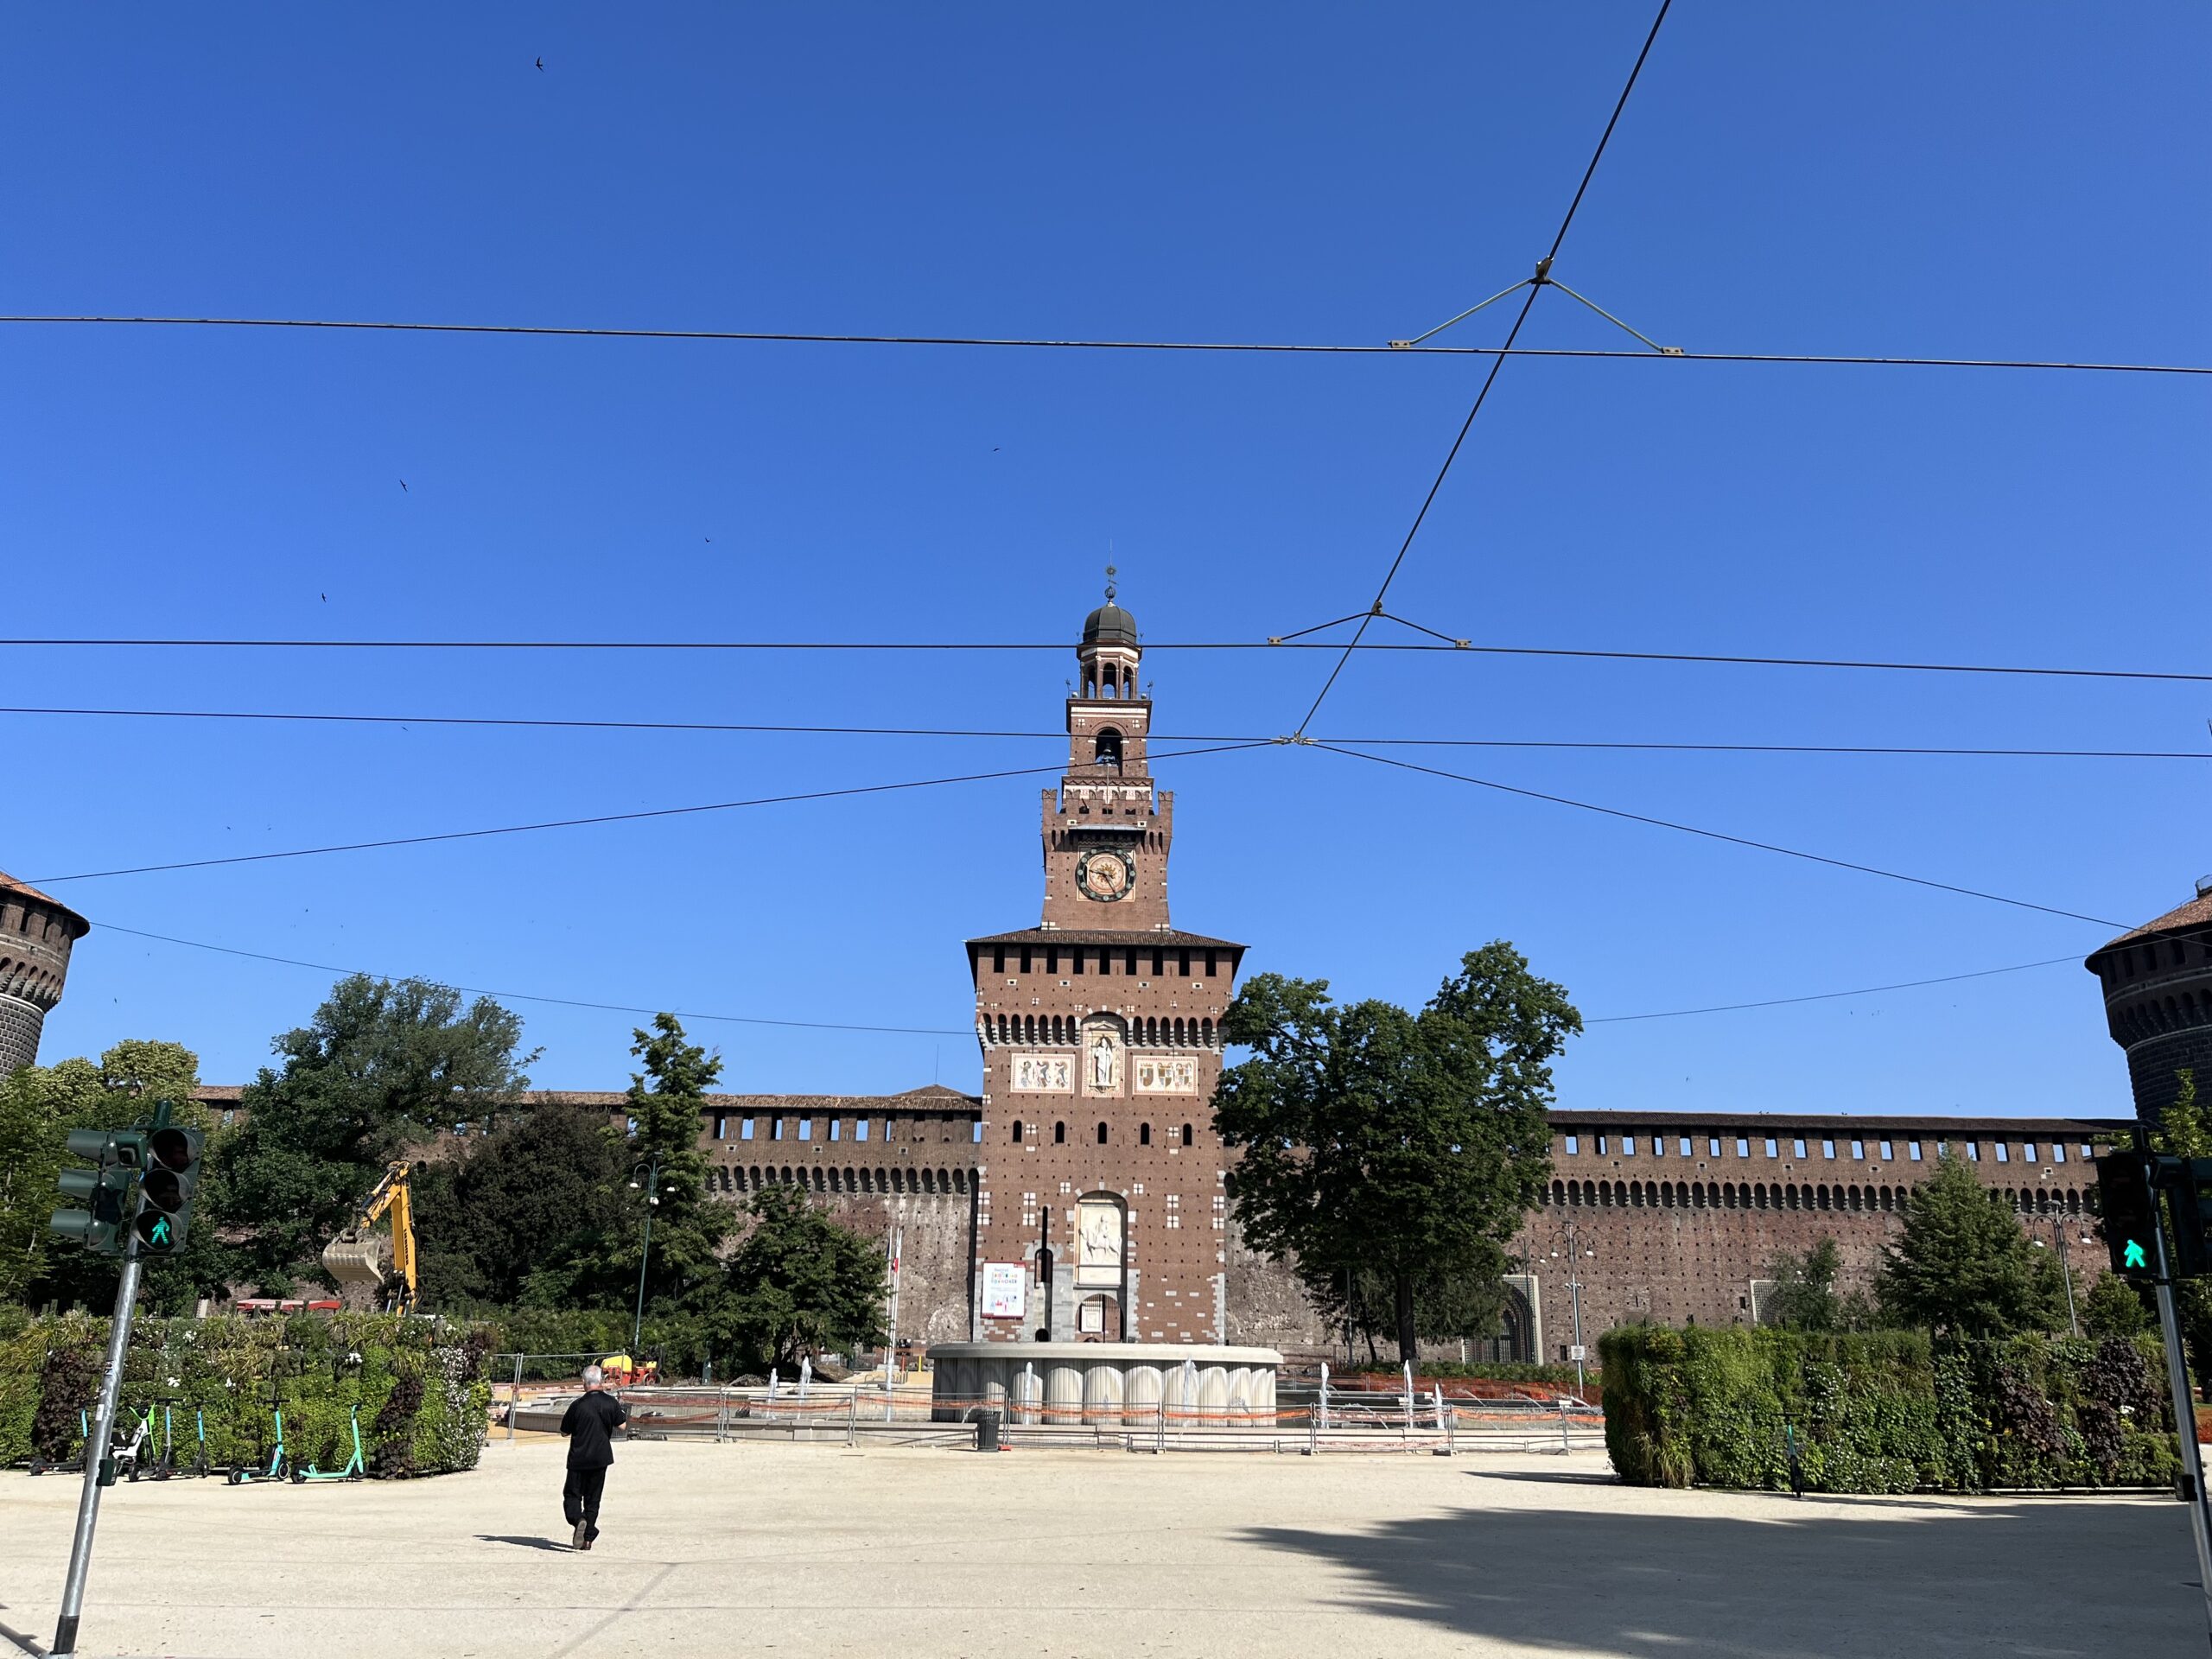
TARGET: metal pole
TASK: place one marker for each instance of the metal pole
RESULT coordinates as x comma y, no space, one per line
644,1255
2066,1272
1408,1365
514,1400
96,1452
1325,1393
1574,1290
2192,1462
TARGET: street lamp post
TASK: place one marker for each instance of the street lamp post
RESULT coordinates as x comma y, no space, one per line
2065,1267
1574,1294
644,1255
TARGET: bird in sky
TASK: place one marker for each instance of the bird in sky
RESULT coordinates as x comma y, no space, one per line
402,485
541,66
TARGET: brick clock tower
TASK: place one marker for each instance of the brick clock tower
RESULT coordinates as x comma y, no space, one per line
1101,1208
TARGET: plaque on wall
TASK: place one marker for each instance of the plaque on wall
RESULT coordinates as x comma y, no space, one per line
1167,1076
1091,1316
1044,1074
1098,1243
1006,1289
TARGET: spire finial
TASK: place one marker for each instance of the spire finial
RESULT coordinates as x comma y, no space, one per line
1109,584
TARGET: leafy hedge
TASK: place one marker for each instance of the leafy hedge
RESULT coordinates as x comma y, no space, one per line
418,1386
1884,1413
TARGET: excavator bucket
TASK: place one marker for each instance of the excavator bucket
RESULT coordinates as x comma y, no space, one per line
360,1258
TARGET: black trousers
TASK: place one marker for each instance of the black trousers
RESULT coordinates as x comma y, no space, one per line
580,1497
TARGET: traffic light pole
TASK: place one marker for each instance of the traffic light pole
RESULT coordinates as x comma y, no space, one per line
97,1445
2192,1461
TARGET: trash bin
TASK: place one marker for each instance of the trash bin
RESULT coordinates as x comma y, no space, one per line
987,1431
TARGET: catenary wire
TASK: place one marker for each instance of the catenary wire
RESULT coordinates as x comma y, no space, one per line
528,996
1716,835
1266,347
1705,657
599,818
501,722
1828,996
1482,395
947,1030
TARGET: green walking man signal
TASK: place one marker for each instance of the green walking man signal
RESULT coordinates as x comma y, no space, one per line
2128,1184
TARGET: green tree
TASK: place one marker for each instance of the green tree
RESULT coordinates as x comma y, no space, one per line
542,1187
2113,1308
384,1065
801,1284
660,1141
1364,1304
39,1105
1963,1266
1406,1144
1804,1294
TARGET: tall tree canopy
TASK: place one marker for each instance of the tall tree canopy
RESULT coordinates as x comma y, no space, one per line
800,1283
664,1175
542,1189
1407,1145
39,1105
1963,1266
383,1066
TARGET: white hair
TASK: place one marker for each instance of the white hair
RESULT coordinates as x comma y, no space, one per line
592,1377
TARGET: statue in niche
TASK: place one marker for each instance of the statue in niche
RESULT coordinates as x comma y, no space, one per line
1105,1064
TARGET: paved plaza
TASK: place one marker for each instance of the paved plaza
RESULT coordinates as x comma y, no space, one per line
712,1549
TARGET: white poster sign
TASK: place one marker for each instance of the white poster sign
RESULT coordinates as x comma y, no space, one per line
1006,1289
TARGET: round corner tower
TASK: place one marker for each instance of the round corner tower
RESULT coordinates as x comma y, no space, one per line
36,935
2158,985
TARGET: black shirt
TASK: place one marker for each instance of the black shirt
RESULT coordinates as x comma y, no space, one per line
589,1422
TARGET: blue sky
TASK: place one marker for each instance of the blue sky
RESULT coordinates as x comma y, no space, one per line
1899,180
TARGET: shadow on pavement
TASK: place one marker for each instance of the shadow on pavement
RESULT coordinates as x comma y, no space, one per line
2091,1577
554,1544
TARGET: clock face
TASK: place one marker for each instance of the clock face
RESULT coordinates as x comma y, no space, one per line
1105,874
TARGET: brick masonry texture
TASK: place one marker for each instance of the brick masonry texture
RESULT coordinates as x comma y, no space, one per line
36,935
2157,990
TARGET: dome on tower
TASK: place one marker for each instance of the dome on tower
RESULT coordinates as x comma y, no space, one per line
1109,625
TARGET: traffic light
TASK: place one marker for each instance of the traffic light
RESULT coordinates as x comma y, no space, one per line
166,1189
119,1155
2130,1212
2187,1183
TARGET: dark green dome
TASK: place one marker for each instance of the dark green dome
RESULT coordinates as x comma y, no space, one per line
1109,625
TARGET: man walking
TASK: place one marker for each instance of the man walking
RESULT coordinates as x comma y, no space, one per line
589,1423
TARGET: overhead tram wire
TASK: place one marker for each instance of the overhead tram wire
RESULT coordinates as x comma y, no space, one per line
528,996
948,1031
599,818
734,728
1721,659
1528,303
1259,347
1828,996
1720,835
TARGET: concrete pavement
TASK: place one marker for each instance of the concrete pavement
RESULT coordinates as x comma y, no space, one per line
759,1549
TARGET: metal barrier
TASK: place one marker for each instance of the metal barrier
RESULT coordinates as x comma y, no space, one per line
1340,1420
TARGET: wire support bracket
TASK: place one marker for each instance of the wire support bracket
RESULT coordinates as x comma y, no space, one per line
1542,278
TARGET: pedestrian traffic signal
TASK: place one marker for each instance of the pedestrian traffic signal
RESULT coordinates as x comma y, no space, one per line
172,1176
2187,1183
2130,1206
118,1156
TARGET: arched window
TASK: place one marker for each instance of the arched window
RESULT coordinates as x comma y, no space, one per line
1060,1135
1101,1135
1017,1131
1188,1138
1144,1135
1108,753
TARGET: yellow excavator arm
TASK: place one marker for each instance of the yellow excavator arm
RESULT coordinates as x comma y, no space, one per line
358,1256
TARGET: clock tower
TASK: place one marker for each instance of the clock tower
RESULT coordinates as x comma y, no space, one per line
1101,1203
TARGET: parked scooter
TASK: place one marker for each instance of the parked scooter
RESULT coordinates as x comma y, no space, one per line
73,1465
353,1468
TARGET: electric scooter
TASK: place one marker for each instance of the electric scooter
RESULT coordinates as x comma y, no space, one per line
280,1461
68,1465
353,1468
